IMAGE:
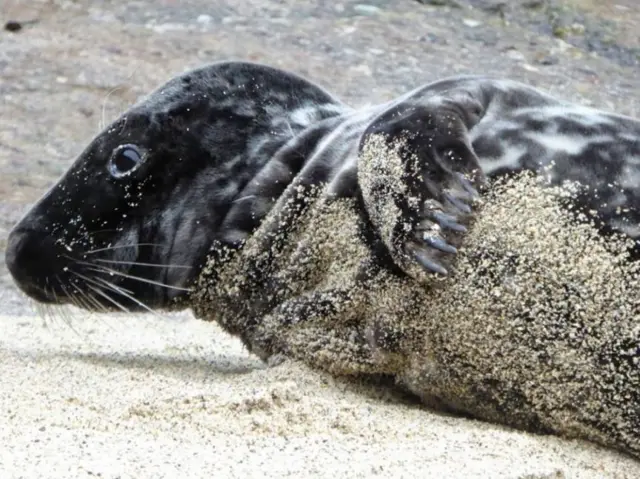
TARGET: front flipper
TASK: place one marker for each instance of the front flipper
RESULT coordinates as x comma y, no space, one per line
420,178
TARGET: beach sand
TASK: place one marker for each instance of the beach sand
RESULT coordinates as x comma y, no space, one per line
141,396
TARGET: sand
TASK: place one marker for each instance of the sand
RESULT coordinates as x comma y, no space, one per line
142,396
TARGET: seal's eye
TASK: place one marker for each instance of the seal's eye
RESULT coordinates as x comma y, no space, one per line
124,160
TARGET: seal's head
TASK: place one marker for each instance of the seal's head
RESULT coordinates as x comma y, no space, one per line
131,222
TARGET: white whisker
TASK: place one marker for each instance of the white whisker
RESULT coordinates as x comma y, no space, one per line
109,248
96,287
94,266
136,263
85,300
57,313
115,288
93,301
122,308
69,319
109,271
248,197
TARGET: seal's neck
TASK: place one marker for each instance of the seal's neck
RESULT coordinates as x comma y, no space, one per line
272,162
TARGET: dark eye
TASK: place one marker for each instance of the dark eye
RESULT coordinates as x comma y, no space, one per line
124,160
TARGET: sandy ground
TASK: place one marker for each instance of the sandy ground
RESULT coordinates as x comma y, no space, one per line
161,397
152,397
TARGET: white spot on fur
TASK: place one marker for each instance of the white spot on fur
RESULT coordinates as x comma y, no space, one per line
510,160
305,116
630,176
633,230
584,115
570,144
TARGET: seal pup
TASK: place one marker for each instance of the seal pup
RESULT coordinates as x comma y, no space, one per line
239,191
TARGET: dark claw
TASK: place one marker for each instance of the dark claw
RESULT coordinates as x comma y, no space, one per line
440,244
457,203
448,222
467,185
429,264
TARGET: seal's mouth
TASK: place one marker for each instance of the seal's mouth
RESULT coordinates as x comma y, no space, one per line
105,279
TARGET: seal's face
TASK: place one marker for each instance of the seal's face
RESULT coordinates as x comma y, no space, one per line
132,214
130,224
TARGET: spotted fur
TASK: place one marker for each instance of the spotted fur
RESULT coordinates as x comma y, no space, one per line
237,165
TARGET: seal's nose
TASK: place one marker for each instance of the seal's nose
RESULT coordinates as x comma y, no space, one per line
33,260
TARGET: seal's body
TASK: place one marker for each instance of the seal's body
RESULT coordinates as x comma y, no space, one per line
217,183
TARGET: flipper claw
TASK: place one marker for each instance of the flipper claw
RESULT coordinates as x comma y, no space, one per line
429,264
468,186
439,243
448,222
456,203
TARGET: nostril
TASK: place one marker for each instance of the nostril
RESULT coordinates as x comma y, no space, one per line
32,258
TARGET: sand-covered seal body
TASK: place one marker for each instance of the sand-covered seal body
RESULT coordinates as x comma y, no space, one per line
261,202
205,157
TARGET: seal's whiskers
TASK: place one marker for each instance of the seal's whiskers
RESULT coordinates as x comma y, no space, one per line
138,263
121,292
109,271
97,288
60,313
109,248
